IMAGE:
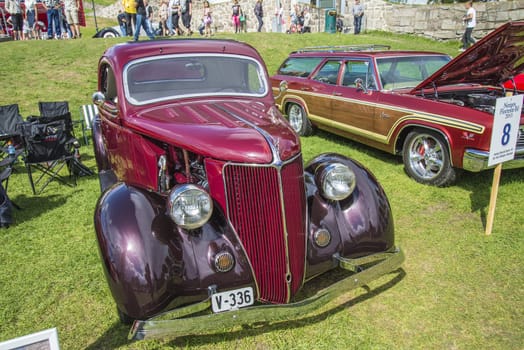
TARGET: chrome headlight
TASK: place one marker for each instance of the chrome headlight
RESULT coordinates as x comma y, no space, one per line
337,181
189,206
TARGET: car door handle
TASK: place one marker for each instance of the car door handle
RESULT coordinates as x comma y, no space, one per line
337,94
304,88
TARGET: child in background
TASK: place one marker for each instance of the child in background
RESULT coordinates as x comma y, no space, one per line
27,31
162,12
207,19
235,17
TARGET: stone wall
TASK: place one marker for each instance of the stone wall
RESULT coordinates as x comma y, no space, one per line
438,21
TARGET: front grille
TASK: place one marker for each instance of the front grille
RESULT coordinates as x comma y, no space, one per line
254,206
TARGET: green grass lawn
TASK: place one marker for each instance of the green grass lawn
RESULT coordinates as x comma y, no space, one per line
457,289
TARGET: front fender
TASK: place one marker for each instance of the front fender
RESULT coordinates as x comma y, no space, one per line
140,269
360,225
151,264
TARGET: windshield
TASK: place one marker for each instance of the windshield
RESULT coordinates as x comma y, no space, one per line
408,72
179,76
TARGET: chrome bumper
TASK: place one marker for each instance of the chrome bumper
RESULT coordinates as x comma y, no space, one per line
173,322
475,160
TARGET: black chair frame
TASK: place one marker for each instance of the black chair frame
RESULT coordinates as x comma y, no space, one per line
49,146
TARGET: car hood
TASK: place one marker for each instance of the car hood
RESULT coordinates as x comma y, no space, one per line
491,61
238,131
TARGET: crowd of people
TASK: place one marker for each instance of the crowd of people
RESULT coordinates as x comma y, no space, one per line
174,18
62,19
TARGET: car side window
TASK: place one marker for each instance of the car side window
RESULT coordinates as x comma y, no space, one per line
299,66
328,73
354,70
108,83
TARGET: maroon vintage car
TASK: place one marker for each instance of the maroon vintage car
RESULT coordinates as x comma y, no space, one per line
435,112
206,203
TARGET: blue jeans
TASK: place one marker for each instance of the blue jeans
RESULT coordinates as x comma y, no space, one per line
357,23
260,23
467,39
123,30
30,18
53,19
142,23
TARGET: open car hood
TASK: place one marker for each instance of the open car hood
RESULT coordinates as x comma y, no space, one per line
493,60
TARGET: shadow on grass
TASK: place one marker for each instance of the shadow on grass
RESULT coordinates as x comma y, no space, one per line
32,207
116,336
480,184
359,147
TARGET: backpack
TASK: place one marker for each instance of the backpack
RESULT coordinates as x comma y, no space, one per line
6,208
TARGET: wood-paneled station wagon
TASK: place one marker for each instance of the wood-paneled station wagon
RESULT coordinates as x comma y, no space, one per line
208,217
435,112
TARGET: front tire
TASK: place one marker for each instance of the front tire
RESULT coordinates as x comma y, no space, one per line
426,158
298,120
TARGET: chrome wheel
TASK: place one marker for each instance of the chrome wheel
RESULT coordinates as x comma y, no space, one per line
426,158
298,120
296,117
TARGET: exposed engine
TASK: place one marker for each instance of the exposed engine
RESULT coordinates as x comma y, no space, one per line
181,167
483,100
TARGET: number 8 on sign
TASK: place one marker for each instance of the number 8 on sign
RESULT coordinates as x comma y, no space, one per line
505,134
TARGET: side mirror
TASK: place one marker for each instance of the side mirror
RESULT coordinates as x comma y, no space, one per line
99,99
359,83
282,87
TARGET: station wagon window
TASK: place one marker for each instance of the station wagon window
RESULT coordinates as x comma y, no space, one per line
354,70
328,73
404,72
299,66
162,78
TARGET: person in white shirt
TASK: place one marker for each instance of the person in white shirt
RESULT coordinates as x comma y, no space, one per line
470,20
71,13
17,20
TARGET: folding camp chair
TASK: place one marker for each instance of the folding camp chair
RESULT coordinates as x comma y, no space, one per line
89,112
53,109
49,146
56,108
10,119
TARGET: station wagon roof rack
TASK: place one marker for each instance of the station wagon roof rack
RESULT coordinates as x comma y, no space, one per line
345,48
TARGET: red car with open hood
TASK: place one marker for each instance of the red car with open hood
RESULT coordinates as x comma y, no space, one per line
435,112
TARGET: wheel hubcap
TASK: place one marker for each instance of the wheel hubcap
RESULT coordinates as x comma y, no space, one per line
295,117
426,156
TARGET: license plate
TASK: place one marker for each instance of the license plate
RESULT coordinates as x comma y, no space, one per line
232,299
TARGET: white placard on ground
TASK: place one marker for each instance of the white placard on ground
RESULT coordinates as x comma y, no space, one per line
44,340
505,129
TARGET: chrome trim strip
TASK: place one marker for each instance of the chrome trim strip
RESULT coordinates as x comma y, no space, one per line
157,327
411,114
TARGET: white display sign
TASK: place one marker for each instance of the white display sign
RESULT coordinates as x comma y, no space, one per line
505,129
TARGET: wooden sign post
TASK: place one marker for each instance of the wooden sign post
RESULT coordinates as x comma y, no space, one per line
503,143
